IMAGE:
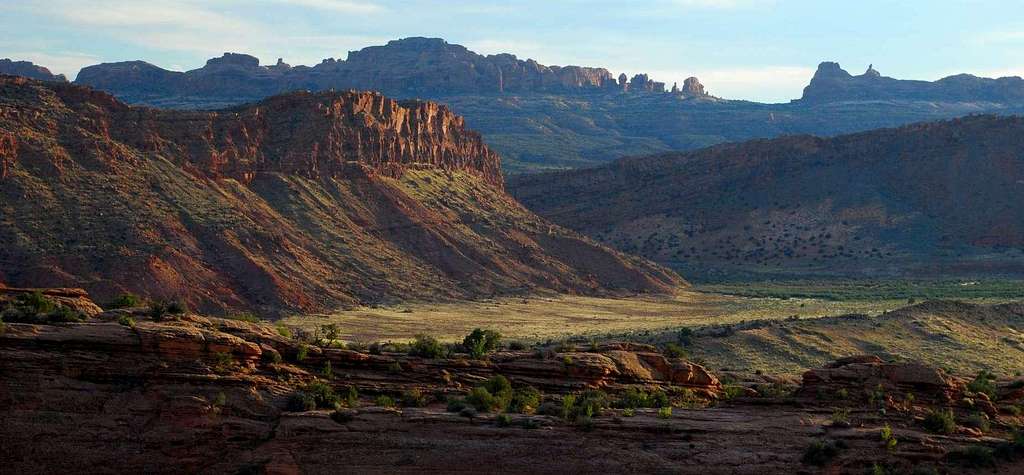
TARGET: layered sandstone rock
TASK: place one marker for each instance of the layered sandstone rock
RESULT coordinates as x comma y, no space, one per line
306,201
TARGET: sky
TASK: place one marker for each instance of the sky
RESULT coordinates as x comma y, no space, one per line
763,50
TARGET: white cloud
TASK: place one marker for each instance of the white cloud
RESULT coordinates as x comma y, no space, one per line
341,6
723,4
767,83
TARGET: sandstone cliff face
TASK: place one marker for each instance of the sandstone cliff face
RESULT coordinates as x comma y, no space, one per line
303,201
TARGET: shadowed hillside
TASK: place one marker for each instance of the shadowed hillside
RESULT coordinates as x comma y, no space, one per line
926,199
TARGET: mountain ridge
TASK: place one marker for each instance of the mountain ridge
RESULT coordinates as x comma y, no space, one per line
306,201
918,200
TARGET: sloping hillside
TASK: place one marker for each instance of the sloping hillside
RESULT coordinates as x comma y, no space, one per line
926,199
300,202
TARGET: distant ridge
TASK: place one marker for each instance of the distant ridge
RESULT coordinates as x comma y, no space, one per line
29,70
833,84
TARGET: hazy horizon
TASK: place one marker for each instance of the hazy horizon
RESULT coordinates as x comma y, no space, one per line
762,50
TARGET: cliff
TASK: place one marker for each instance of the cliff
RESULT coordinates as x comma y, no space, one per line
410,67
304,201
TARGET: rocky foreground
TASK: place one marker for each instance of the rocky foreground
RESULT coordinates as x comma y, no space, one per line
138,390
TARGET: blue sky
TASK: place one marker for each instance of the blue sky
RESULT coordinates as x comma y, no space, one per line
745,49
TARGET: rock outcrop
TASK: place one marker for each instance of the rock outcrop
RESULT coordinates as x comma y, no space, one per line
833,84
425,67
195,394
29,70
302,201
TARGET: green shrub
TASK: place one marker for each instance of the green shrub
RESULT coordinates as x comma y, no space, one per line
413,398
283,330
732,392
633,398
665,412
299,401
585,423
940,422
63,314
516,345
525,400
323,394
530,424
482,400
841,417
503,420
426,347
673,350
820,452
302,353
551,409
126,321
125,301
327,372
984,383
589,403
888,438
223,362
628,412
243,317
177,307
480,342
352,397
457,404
384,401
468,412
35,303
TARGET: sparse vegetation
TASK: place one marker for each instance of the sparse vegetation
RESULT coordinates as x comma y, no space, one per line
125,301
384,401
426,346
38,309
665,412
983,383
126,320
940,422
821,452
481,342
673,350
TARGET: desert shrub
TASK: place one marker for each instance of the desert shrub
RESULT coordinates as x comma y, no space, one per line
468,412
223,362
634,398
685,337
820,452
37,308
351,397
525,400
984,383
503,420
426,346
384,401
979,421
628,412
302,353
456,404
413,398
299,401
157,311
482,400
126,321
732,392
589,403
480,342
665,412
35,302
283,330
673,350
516,345
64,314
327,371
585,423
395,368
840,417
177,307
888,438
243,317
125,301
940,422
322,393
